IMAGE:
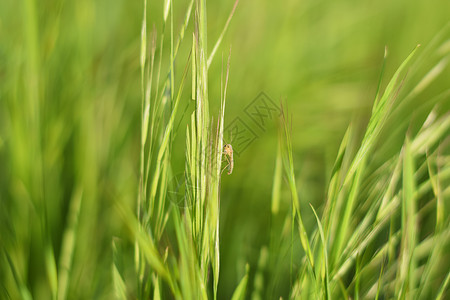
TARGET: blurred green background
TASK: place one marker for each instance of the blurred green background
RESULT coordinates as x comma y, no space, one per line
70,116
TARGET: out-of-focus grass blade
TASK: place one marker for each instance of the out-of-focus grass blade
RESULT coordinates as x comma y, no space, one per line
167,5
431,135
120,289
239,292
146,244
143,46
357,276
22,288
443,287
188,265
407,264
148,92
380,282
219,40
430,77
277,182
331,213
377,95
434,263
50,265
194,70
68,244
258,281
437,193
156,292
289,169
326,282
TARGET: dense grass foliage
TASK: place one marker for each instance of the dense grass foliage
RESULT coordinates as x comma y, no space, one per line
113,120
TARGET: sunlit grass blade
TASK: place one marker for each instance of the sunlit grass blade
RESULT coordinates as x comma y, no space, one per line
343,224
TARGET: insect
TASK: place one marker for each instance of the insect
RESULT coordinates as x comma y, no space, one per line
228,151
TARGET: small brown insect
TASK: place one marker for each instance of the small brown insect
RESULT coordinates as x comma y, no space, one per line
228,151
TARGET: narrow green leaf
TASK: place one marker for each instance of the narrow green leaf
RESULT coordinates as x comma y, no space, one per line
23,289
118,282
326,282
52,274
443,288
380,111
277,182
222,34
239,292
68,244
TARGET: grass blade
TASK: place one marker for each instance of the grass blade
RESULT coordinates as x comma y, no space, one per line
239,292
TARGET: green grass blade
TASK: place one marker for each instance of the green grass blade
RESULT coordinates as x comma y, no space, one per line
68,244
275,207
326,275
165,143
222,34
289,170
380,113
120,289
239,292
380,282
443,287
52,274
146,245
22,288
407,263
343,227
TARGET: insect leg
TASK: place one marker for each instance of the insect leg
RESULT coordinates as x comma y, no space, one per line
228,163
